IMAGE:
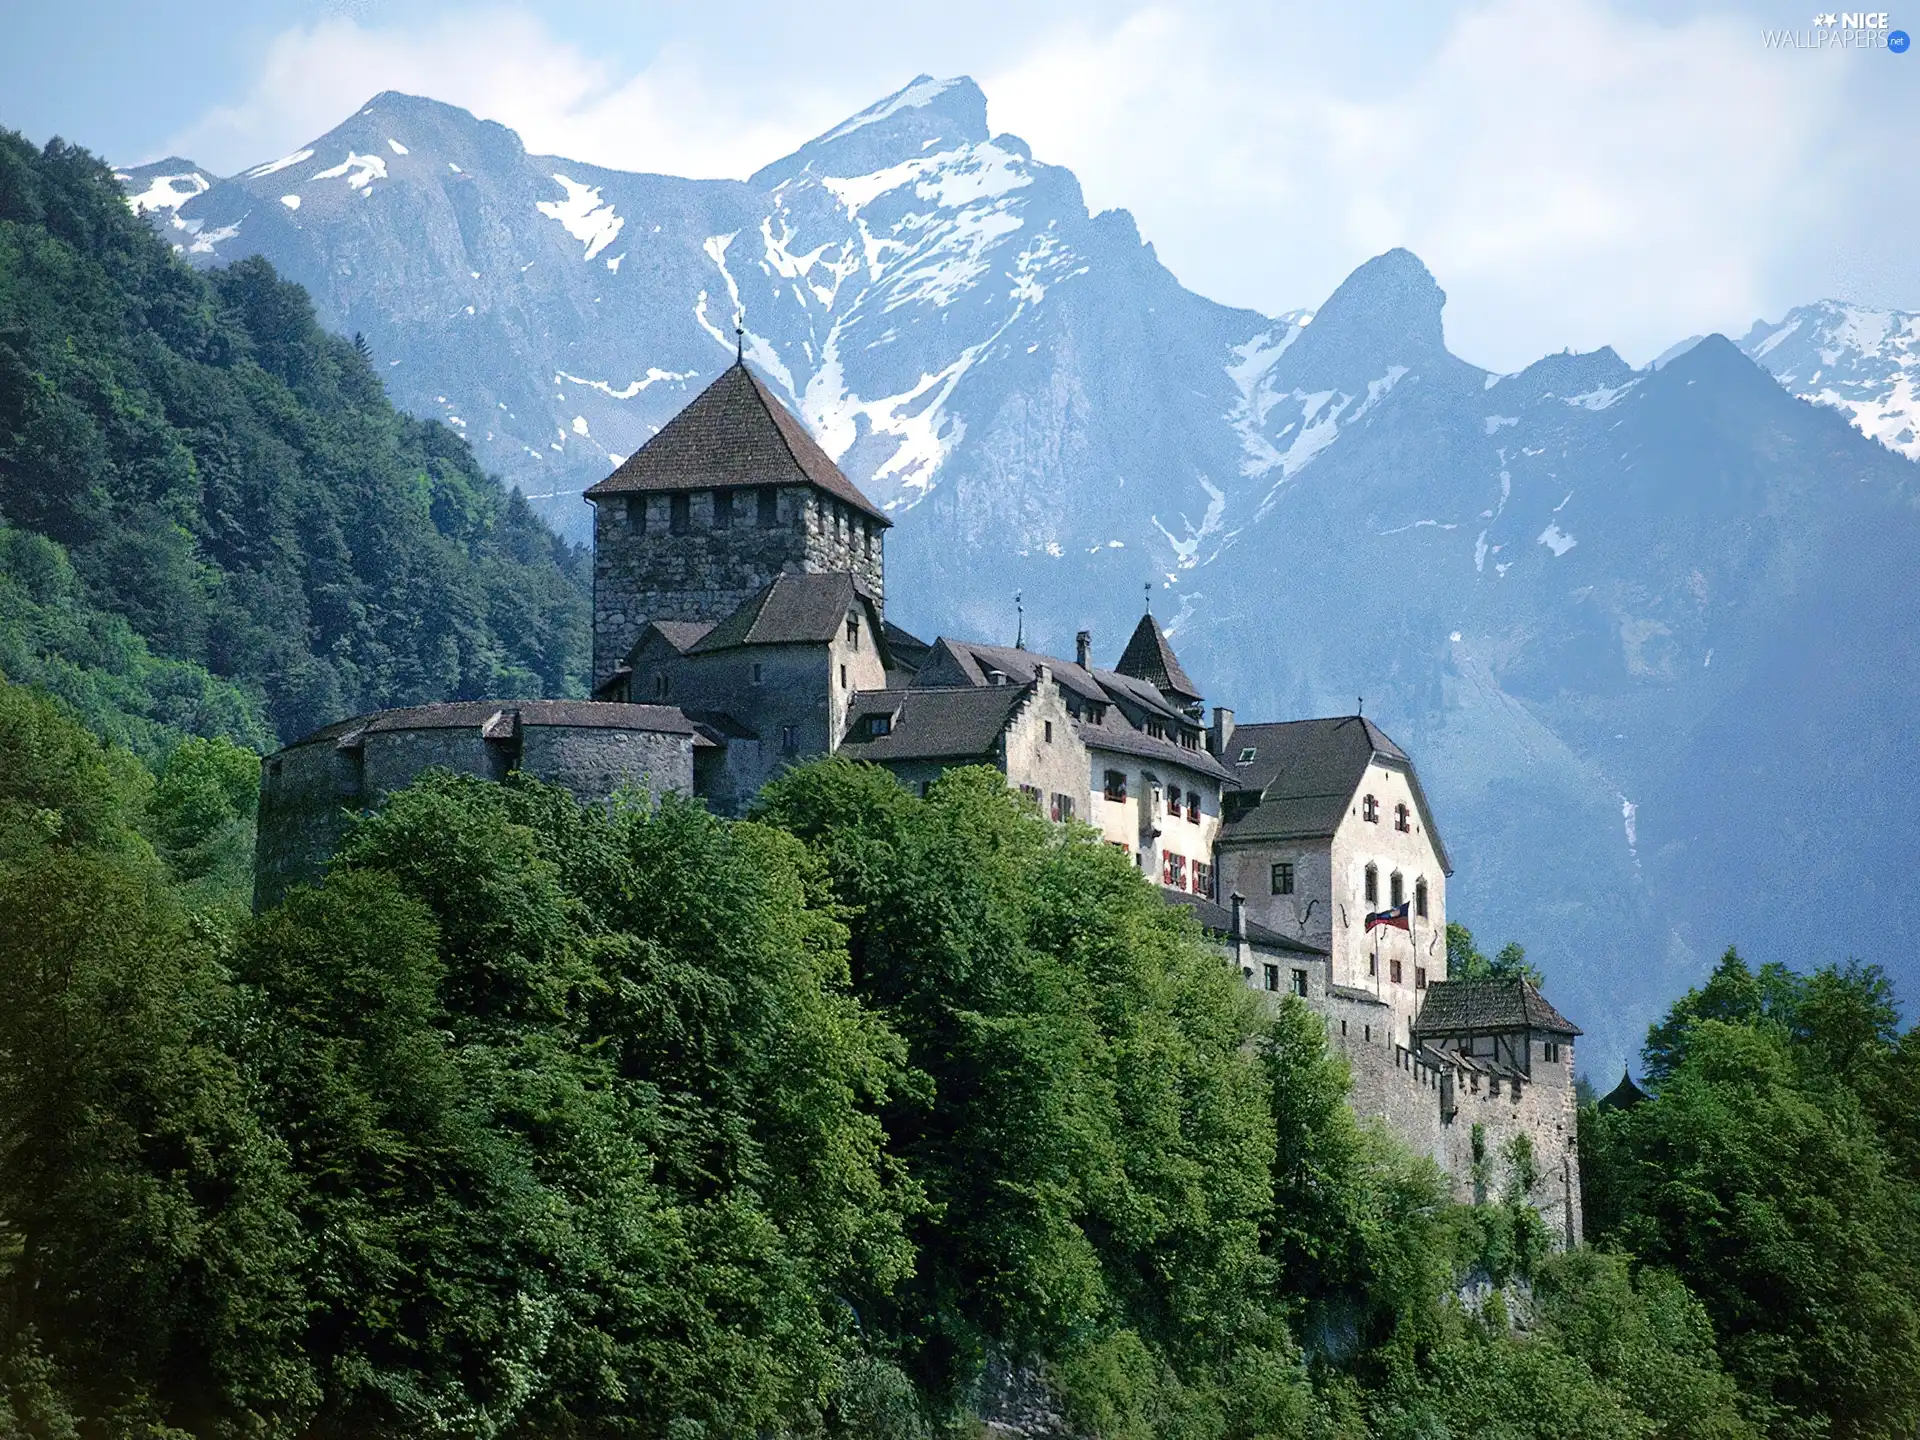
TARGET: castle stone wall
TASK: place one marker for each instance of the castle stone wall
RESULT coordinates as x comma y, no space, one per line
644,569
310,791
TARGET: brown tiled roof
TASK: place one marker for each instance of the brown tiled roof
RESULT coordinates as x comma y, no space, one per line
1149,657
1217,919
791,610
1479,1007
1303,773
734,432
682,635
473,714
948,723
964,662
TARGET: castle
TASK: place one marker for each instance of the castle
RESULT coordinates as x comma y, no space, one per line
739,626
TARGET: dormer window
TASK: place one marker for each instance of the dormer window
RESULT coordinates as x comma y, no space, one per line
1370,810
1402,821
878,725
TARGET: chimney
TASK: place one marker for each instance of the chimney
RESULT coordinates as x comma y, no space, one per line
996,677
1083,650
1043,674
1222,734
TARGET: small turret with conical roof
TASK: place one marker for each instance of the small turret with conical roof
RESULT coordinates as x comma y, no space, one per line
732,493
1149,657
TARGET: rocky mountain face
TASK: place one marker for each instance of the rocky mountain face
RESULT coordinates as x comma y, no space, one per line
1647,633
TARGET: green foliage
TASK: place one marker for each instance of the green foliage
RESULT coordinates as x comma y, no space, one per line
543,1119
1771,1174
1096,1136
1465,962
206,471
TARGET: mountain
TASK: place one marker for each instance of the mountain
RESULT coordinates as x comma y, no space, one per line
212,519
1863,362
1640,628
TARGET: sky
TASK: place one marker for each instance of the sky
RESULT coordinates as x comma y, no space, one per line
1576,173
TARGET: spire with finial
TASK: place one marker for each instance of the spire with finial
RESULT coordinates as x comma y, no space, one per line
739,340
1360,703
1148,587
1019,623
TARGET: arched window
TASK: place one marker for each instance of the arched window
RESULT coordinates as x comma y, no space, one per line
1402,821
1420,898
1395,889
1373,884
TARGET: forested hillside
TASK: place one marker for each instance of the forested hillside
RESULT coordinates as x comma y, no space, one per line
211,518
866,1118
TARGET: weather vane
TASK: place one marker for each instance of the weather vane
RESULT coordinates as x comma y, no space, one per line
1020,622
739,340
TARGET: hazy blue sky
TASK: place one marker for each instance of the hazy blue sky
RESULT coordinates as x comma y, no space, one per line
1574,172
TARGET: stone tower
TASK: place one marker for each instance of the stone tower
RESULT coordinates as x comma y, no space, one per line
731,493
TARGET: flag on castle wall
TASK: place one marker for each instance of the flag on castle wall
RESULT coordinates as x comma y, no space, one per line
1395,918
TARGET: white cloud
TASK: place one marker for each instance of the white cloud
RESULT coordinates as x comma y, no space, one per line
1574,173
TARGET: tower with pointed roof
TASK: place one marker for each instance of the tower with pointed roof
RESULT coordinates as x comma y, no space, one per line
730,494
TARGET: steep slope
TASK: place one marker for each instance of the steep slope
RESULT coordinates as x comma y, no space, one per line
200,460
1581,594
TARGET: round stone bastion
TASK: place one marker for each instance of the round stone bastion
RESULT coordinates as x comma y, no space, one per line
311,790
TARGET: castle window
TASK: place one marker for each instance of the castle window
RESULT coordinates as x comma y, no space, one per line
660,686
723,509
637,514
1396,973
1049,732
1300,983
1550,1050
1419,977
1116,785
1282,877
1193,806
1395,888
756,672
853,632
1203,879
680,514
866,531
1031,794
1370,810
1173,871
1420,898
1062,808
1401,821
1373,885
789,739
769,507
1270,975
843,677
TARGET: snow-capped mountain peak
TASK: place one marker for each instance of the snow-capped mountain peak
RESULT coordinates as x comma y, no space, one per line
1862,362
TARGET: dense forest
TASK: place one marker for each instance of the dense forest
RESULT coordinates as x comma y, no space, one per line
539,1119
211,519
